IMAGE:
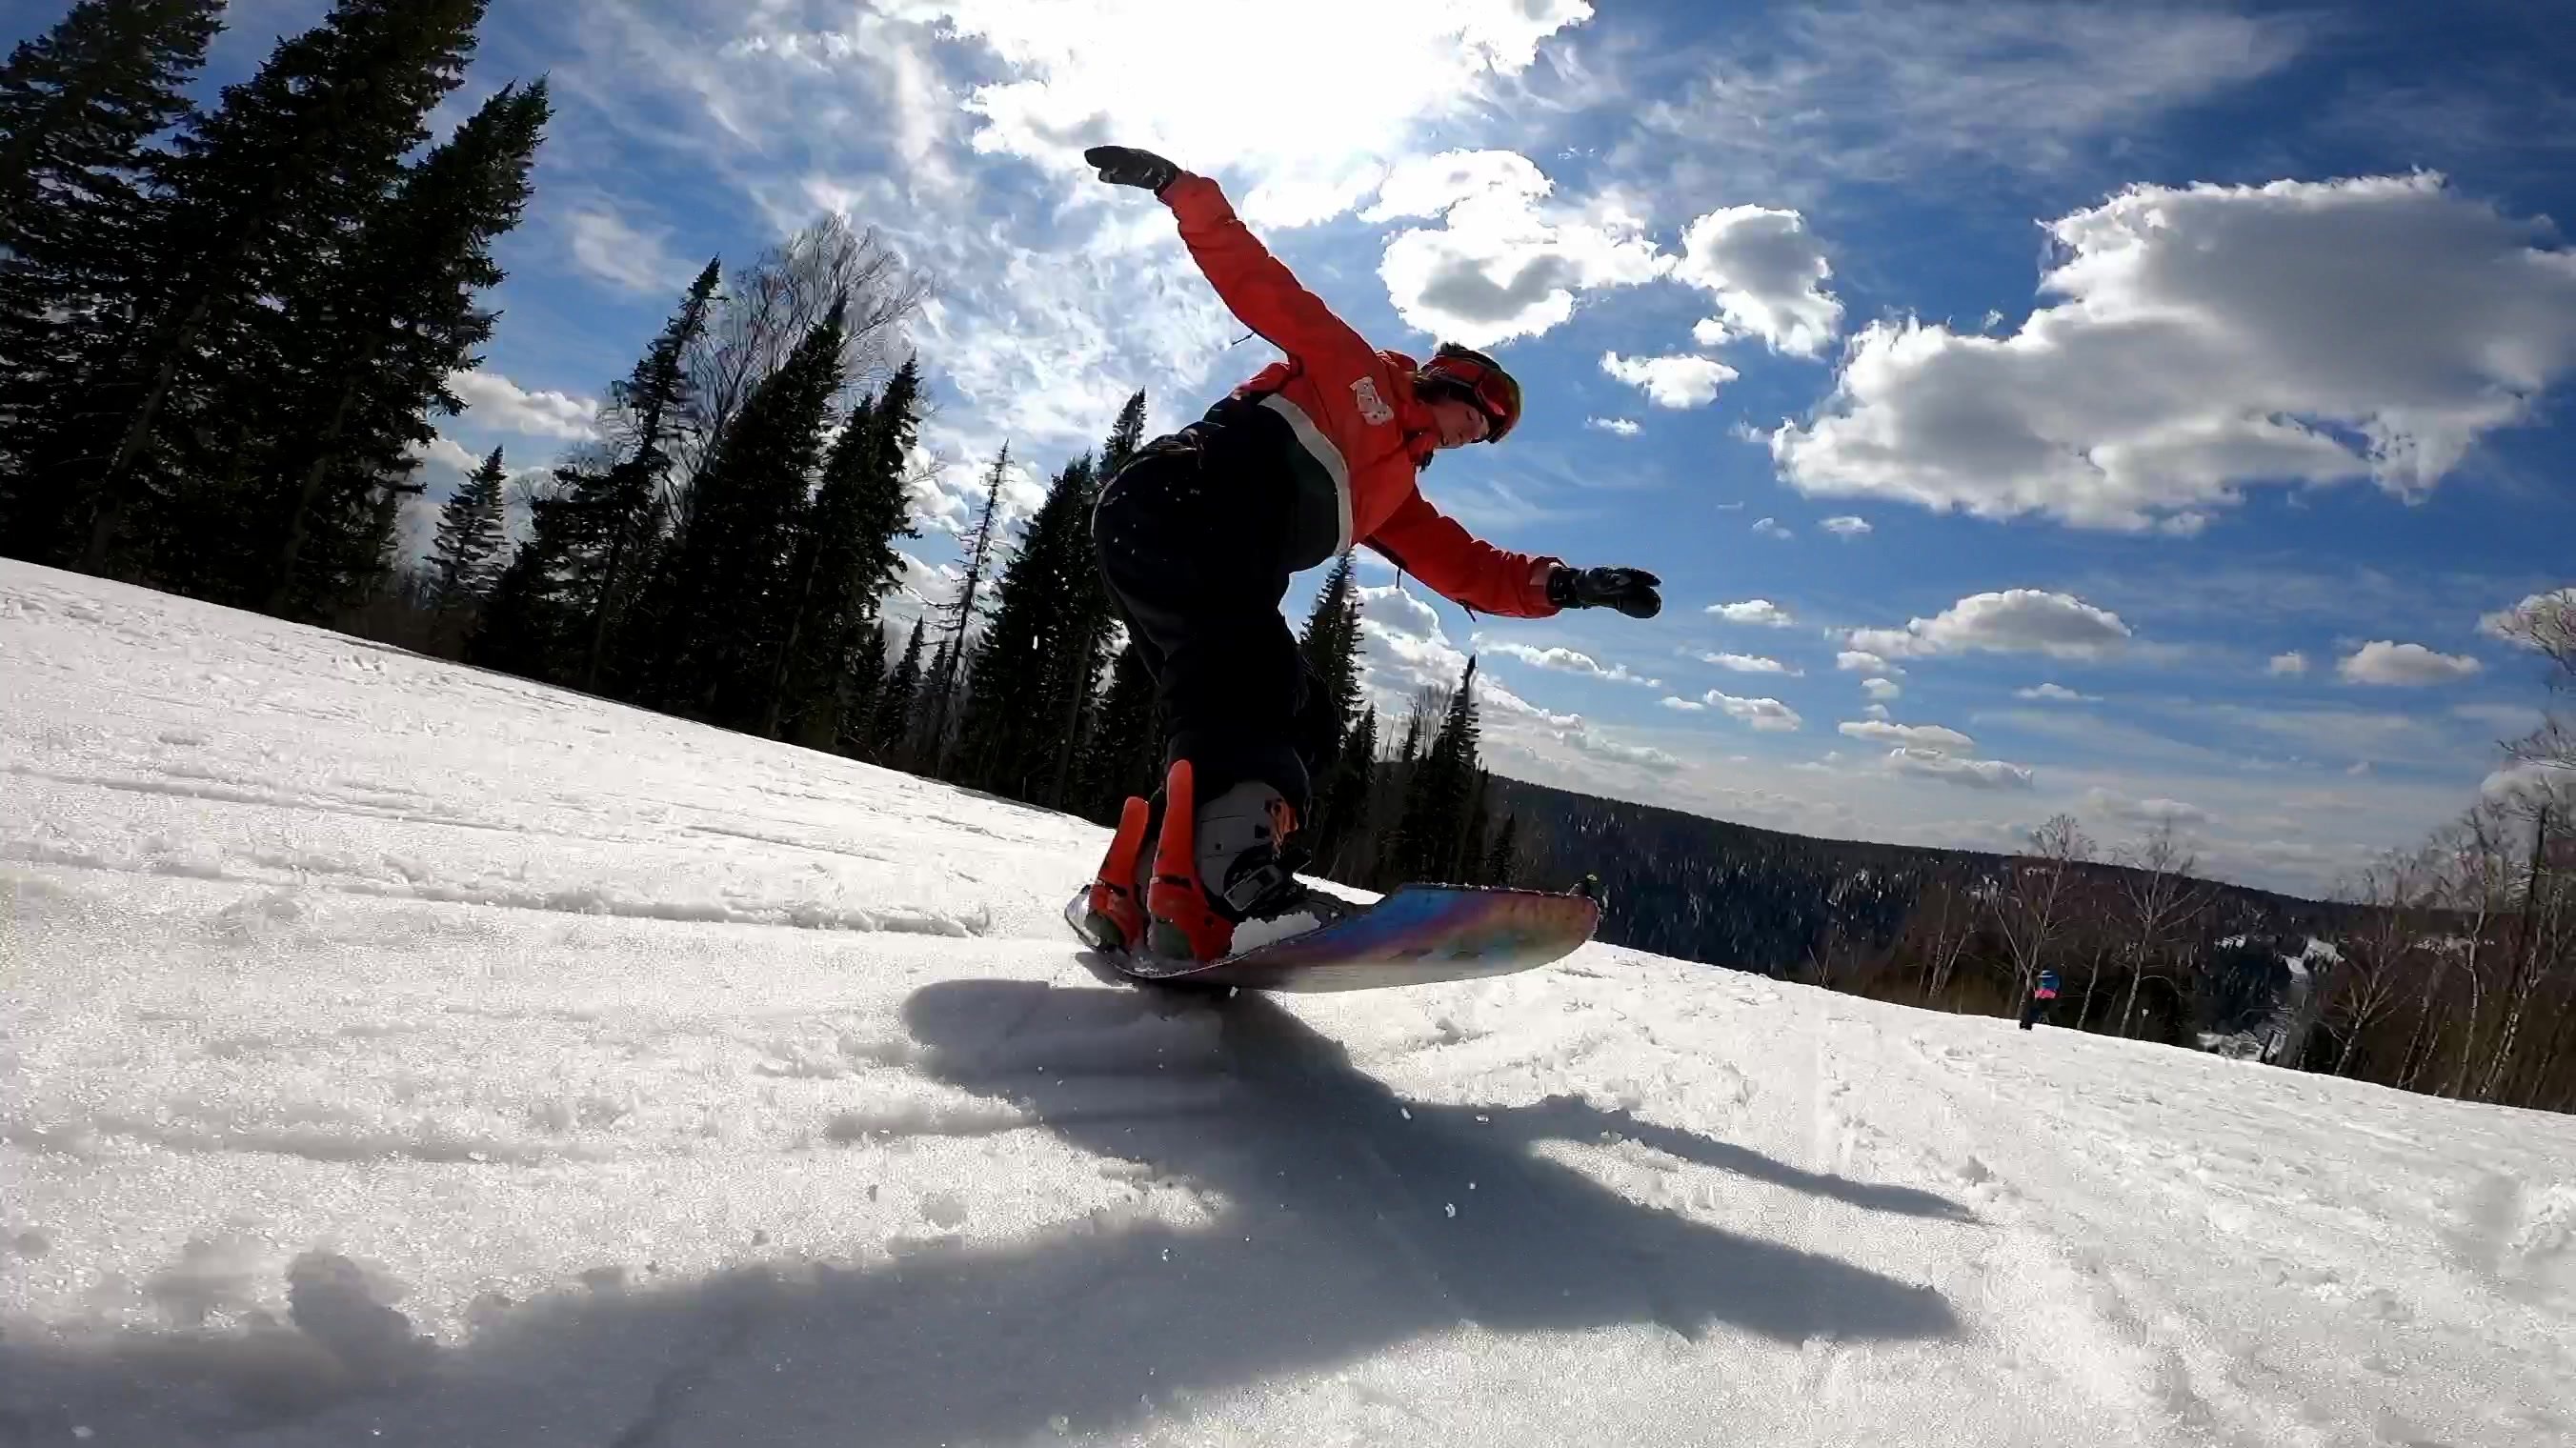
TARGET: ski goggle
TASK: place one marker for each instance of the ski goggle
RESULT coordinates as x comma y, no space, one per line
1488,386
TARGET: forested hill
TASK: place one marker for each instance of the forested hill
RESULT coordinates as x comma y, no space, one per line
1763,900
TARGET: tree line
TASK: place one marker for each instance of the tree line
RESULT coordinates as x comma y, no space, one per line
2449,968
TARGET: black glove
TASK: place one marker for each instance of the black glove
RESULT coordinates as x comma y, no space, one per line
1629,590
1127,166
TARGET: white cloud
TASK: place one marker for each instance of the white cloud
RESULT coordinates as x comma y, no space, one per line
1971,773
615,251
2110,804
1912,736
1874,711
1566,661
496,401
1503,264
2549,617
1074,78
1771,528
1745,663
1882,689
1768,274
2017,620
1769,716
2383,662
1754,610
2058,692
1623,426
2292,663
1861,661
2210,338
1640,755
1846,526
445,451
1892,90
1682,381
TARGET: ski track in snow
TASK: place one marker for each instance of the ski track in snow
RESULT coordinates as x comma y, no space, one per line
399,1053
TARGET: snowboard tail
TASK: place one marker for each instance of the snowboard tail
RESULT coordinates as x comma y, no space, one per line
1418,935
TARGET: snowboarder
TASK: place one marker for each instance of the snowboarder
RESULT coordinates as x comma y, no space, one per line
2034,1011
1197,537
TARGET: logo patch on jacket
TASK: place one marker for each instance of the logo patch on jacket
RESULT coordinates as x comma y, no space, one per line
1372,407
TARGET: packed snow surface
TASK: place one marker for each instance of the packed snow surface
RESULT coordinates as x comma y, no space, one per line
394,1053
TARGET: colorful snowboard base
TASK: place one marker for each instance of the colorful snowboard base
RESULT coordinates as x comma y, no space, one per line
1418,935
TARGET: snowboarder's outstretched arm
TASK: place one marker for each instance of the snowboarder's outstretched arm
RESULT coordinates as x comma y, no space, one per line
1261,292
1433,548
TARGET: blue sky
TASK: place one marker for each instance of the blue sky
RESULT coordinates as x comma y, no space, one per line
2208,364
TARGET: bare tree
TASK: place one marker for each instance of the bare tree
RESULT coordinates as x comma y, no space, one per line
770,305
2162,897
2031,909
2365,983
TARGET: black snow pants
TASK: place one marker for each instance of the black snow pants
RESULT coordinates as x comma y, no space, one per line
1197,558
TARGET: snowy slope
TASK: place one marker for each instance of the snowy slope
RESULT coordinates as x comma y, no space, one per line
396,1053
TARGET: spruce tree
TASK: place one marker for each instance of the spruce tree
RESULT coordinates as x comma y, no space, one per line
728,579
1126,743
377,338
1467,866
1074,676
892,727
1021,675
1439,793
1342,829
930,722
884,508
617,512
76,107
265,196
963,613
865,673
1503,862
462,559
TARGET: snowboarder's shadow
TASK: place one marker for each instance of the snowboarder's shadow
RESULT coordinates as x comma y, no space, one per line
1304,1223
1446,1207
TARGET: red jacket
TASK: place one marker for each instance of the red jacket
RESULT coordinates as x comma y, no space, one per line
1354,412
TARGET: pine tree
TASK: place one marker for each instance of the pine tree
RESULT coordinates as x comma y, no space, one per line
1022,676
618,512
727,583
1330,645
883,511
1503,862
265,195
1074,675
470,535
930,713
377,339
1342,831
865,674
848,560
76,107
1126,740
1467,866
963,613
892,729
1439,793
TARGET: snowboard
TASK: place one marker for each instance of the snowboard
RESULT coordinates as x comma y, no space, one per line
1418,935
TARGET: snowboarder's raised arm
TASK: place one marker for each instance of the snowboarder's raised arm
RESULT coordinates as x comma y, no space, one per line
1261,292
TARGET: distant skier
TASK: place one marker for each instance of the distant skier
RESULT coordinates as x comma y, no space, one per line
2034,1011
1198,536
